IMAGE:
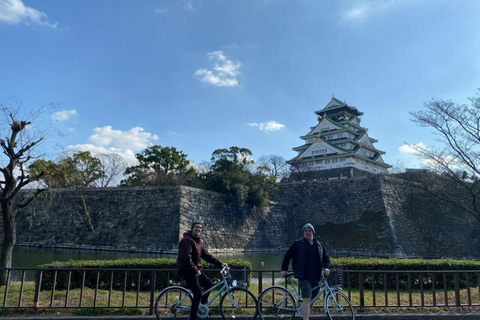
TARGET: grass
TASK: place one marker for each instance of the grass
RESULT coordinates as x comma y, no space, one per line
131,304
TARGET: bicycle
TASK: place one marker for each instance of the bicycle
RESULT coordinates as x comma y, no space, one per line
177,300
282,303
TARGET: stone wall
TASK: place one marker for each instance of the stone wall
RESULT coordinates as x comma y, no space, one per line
375,215
425,226
349,215
131,219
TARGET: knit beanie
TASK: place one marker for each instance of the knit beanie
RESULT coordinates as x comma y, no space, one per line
195,223
308,226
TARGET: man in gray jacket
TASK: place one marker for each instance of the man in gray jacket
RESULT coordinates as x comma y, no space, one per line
310,259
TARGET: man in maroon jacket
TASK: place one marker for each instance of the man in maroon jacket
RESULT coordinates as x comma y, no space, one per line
190,252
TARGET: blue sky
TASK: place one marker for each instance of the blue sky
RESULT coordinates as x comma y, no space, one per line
203,75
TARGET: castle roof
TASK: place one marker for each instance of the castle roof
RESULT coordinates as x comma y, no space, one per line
337,105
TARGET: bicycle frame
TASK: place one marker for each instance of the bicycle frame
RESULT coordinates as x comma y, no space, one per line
322,286
286,302
224,287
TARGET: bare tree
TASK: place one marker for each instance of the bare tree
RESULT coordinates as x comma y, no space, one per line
457,160
274,165
398,167
18,144
113,166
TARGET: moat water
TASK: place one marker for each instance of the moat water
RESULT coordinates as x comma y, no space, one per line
29,257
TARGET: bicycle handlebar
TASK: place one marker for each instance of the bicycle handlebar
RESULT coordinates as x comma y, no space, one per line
225,271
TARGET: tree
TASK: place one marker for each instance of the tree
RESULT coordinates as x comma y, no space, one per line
159,166
231,173
234,157
112,165
17,145
87,168
457,160
398,167
78,170
274,165
48,170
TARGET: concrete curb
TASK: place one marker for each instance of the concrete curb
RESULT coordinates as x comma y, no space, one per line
359,316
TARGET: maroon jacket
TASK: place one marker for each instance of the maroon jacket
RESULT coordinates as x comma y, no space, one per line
190,253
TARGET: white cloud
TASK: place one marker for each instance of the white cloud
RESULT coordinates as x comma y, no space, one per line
15,12
367,9
188,6
133,139
412,148
173,133
127,155
224,72
268,126
160,10
124,143
63,115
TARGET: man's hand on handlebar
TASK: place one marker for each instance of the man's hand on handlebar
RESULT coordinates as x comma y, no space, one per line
326,272
284,273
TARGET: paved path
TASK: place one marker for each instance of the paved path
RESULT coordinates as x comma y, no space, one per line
360,316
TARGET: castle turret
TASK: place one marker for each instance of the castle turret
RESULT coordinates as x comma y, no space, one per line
338,141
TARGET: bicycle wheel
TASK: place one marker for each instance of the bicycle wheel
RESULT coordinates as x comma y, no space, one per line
238,302
337,306
276,301
172,302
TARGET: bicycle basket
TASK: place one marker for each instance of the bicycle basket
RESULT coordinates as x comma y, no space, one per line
338,278
238,277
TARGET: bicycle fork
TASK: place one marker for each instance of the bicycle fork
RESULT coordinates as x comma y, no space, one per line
232,300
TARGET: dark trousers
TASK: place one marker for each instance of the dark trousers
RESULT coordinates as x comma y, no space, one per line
195,284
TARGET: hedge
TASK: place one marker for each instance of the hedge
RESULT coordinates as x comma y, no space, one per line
407,264
162,278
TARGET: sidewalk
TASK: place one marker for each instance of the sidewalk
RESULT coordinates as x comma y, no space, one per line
360,316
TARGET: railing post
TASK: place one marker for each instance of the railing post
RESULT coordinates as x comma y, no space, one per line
7,286
361,289
457,289
152,291
38,284
260,281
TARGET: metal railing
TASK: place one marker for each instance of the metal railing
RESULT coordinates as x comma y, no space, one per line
399,288
78,288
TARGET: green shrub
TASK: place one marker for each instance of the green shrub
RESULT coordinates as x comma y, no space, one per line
426,278
134,279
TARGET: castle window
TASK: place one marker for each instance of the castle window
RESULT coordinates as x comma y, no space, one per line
319,151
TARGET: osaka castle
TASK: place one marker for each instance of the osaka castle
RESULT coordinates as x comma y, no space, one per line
338,141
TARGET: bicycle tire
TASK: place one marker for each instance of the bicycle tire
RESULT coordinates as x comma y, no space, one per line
172,302
269,299
337,306
244,304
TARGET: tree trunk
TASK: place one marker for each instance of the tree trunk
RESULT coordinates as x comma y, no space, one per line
9,240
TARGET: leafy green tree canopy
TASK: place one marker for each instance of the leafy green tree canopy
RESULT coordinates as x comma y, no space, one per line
80,170
231,173
159,166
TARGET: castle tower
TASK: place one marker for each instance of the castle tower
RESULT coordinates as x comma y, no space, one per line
338,141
